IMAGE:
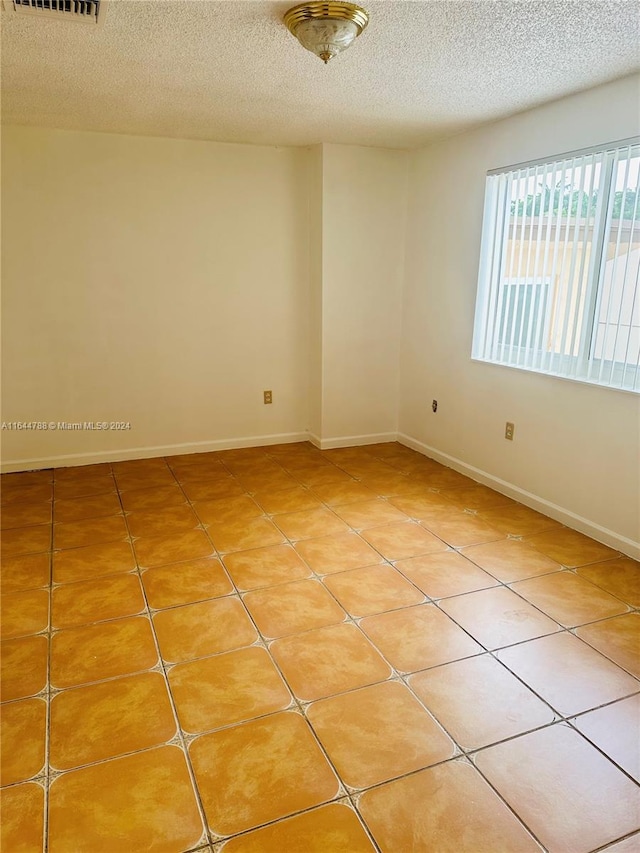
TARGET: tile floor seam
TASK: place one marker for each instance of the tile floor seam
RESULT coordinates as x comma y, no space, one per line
601,653
611,844
511,809
178,734
294,700
297,702
592,743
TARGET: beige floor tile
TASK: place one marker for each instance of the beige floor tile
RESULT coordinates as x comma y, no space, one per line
418,637
164,550
423,505
614,730
225,510
90,531
25,514
140,466
617,638
145,801
518,520
93,506
377,733
402,540
20,479
162,521
471,818
479,701
476,497
23,667
338,494
106,650
569,599
337,553
227,689
109,719
373,589
26,493
322,475
310,524
327,661
185,583
205,628
85,602
82,473
287,500
568,674
25,540
209,490
389,484
571,797
92,561
444,574
243,535
81,487
262,567
259,480
511,560
458,528
161,477
243,787
23,613
334,828
570,548
370,513
23,734
22,818
498,617
292,608
26,572
143,500
444,478
619,577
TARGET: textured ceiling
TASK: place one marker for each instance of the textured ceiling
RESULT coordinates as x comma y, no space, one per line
230,71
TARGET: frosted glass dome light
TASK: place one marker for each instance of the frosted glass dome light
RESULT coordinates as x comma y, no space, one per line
326,29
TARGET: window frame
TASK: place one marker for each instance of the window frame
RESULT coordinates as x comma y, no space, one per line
584,366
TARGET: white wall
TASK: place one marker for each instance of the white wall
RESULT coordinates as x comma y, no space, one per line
315,196
364,203
576,446
157,281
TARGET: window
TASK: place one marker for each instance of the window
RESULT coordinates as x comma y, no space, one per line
558,287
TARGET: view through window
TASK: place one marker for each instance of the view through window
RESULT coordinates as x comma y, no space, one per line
558,288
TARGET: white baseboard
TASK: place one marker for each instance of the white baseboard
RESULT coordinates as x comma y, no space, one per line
564,516
92,458
352,440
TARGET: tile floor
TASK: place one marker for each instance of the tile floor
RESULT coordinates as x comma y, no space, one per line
278,650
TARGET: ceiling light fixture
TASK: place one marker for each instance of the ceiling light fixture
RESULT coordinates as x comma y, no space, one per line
326,29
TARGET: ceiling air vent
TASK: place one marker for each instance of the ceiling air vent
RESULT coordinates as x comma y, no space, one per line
86,11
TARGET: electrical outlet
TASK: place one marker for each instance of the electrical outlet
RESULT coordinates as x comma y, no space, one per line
268,397
508,431
434,405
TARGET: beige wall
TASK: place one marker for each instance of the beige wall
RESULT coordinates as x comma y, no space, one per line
157,281
167,283
364,202
576,446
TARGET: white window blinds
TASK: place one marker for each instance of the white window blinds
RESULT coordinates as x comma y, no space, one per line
558,287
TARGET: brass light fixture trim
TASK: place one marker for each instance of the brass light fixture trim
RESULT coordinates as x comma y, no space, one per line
326,29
